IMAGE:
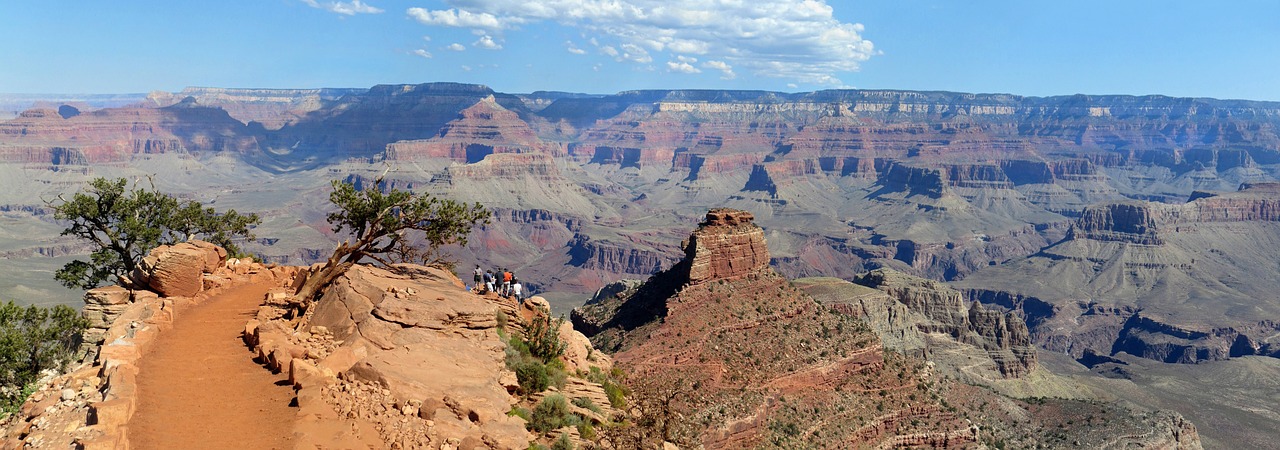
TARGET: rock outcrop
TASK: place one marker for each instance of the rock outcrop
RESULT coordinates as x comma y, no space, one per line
177,270
410,359
480,130
1004,336
726,246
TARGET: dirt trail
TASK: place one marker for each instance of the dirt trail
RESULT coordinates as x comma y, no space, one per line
198,387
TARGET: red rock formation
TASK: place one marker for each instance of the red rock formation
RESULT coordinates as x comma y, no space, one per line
1143,223
175,271
108,135
726,246
480,130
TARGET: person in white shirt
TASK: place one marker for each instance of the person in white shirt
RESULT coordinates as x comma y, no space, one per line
517,289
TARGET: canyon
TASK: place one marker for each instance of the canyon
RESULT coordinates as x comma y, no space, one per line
1109,226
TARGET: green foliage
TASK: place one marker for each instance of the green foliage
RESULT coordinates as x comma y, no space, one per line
587,430
587,404
34,339
126,222
551,413
532,376
381,221
612,386
522,413
562,443
544,338
535,360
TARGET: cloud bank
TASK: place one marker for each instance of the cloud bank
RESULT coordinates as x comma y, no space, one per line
797,40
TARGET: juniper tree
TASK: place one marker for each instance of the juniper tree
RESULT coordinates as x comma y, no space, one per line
382,222
124,223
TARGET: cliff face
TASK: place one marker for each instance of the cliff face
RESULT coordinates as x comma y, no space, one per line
119,134
480,130
1142,223
272,108
726,246
1004,336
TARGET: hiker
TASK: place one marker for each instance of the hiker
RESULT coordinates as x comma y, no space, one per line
506,282
516,289
479,277
488,281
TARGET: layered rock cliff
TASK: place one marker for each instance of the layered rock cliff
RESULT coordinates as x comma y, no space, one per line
1004,336
1168,282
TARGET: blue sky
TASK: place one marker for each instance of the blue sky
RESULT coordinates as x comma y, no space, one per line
1179,48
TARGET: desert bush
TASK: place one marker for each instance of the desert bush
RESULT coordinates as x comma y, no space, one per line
587,404
551,413
544,338
562,443
34,339
613,387
587,430
532,375
522,413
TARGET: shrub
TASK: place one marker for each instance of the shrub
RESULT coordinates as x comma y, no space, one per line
544,338
612,388
550,414
587,431
522,413
562,443
532,375
586,403
32,340
617,395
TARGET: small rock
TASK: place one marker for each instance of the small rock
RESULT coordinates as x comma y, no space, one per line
68,394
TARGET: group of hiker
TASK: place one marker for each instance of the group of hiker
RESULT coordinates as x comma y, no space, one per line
501,281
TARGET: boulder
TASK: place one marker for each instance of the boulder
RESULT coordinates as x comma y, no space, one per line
102,305
110,295
174,271
214,256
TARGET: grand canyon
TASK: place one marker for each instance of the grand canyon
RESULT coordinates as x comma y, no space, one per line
985,269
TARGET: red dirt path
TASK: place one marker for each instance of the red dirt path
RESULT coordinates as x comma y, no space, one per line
199,388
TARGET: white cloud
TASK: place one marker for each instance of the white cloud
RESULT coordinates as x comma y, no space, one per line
634,53
569,45
486,42
797,40
426,38
350,8
458,18
682,67
466,68
456,47
725,69
422,53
